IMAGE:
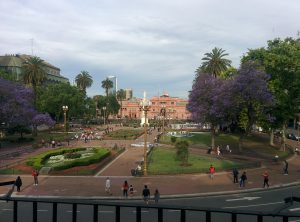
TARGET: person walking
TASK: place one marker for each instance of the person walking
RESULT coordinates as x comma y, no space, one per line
266,179
107,185
156,196
131,190
125,189
285,168
146,194
18,183
35,175
243,179
235,174
212,171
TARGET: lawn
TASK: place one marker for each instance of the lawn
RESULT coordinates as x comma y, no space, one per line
255,145
162,161
127,134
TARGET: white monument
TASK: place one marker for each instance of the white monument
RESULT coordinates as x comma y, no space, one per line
144,107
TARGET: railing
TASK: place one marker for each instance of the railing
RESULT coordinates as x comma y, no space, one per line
159,211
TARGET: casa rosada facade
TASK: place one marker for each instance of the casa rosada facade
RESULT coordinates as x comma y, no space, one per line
175,108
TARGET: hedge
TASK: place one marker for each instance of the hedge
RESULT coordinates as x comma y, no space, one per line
37,162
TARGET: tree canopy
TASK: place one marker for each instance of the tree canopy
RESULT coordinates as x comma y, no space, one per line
84,80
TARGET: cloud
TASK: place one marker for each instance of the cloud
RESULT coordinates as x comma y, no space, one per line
148,44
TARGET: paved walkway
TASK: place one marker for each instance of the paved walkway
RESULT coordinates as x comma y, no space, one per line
177,185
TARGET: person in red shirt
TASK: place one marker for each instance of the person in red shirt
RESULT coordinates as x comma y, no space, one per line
35,175
266,179
212,171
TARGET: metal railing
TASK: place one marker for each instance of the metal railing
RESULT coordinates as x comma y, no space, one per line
160,210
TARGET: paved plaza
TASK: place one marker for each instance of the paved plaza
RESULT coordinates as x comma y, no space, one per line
169,185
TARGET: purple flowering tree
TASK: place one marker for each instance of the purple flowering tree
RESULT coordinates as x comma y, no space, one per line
16,106
210,101
251,96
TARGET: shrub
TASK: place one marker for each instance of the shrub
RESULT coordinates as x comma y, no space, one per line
173,139
72,155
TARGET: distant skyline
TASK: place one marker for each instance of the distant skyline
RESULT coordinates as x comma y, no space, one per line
149,45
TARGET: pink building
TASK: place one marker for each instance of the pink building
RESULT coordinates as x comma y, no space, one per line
175,108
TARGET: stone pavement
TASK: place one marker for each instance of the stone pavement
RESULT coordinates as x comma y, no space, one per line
169,186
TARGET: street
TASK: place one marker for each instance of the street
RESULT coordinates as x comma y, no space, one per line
264,201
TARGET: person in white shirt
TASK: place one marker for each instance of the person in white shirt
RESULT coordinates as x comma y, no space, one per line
107,185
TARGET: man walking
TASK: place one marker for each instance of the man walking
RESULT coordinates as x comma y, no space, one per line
146,194
243,179
266,179
107,185
235,173
35,175
285,168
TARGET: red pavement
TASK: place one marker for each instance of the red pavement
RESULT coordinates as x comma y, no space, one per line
177,185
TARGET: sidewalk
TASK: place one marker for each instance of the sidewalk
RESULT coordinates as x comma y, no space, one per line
176,185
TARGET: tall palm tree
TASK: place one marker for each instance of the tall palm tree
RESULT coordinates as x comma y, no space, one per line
121,94
214,62
34,73
83,80
107,84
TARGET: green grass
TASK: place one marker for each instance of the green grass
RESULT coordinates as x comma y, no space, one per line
128,134
163,161
11,171
204,139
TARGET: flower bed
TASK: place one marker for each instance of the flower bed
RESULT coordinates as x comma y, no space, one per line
61,159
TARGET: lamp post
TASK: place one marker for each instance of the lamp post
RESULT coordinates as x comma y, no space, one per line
145,107
65,109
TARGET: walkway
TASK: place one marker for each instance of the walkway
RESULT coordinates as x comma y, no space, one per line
177,185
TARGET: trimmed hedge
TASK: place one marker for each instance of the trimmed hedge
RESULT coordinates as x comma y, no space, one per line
38,161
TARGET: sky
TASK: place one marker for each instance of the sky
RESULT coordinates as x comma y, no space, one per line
149,45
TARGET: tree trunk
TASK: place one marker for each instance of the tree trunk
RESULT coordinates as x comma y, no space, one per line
283,143
213,135
272,137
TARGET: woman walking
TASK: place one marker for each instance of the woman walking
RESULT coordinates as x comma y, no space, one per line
125,189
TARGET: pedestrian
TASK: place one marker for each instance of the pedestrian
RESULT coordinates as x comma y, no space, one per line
18,183
146,194
285,168
212,171
107,185
235,173
266,179
35,175
125,189
243,179
131,190
156,196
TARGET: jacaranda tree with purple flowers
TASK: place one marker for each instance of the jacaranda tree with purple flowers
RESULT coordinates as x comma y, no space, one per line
16,106
210,102
251,96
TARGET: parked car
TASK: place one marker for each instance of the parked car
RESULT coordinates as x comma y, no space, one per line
291,136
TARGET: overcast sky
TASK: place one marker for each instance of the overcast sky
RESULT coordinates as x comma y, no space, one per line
151,45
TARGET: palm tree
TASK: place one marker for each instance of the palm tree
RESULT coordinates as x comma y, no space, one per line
121,94
107,84
34,73
83,80
214,63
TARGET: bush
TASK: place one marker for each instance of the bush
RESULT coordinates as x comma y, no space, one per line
38,161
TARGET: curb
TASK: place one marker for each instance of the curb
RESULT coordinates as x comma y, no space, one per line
172,196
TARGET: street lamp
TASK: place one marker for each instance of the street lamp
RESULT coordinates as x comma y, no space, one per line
104,108
145,107
65,109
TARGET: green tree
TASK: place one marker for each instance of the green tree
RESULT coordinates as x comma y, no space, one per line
34,73
182,151
54,96
214,62
107,84
83,80
110,103
281,61
8,76
121,96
